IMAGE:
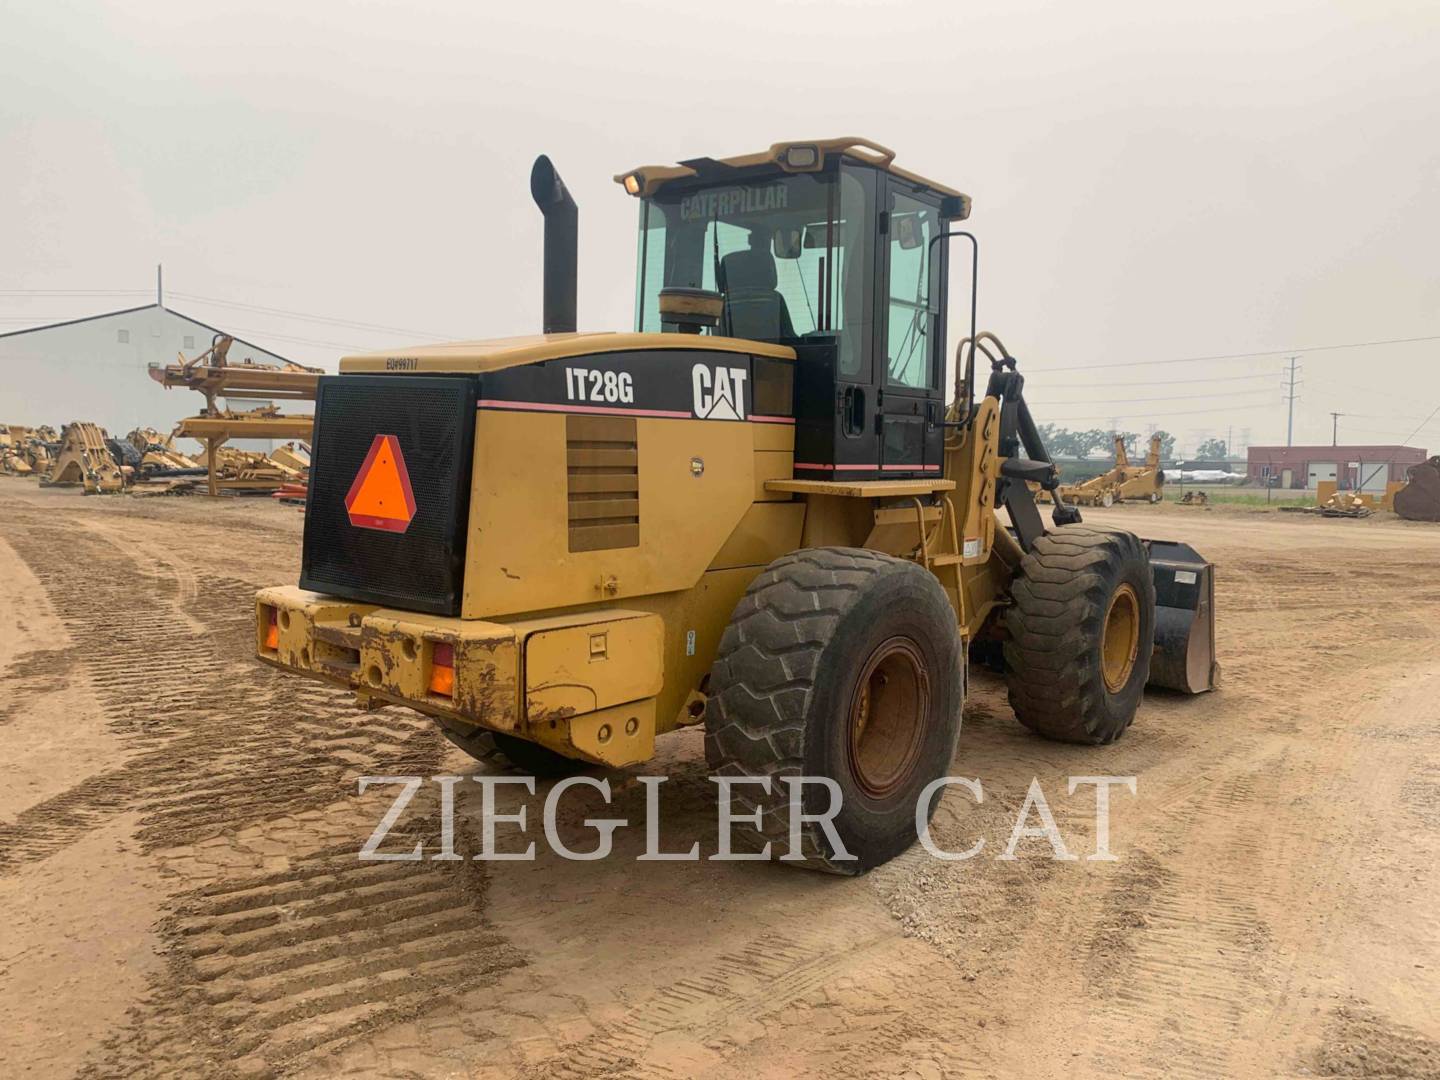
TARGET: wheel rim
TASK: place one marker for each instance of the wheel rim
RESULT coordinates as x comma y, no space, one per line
887,717
1121,639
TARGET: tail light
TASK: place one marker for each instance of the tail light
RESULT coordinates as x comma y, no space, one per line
442,669
272,629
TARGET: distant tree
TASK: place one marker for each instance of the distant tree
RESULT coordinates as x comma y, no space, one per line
1088,442
1167,445
1212,450
1059,441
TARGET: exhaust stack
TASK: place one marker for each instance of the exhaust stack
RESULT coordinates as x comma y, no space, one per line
561,245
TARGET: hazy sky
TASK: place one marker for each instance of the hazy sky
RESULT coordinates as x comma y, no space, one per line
1152,181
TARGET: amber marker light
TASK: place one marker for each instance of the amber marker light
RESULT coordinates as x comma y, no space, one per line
442,669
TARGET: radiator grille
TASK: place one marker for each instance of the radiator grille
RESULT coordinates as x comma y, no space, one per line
432,420
603,466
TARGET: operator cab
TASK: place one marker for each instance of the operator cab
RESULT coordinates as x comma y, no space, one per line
827,248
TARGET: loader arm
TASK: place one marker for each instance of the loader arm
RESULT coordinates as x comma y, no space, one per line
1001,427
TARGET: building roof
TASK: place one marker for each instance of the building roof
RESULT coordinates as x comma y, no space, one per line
1329,449
144,307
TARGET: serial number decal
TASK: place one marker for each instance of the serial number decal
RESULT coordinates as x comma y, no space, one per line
401,363
590,384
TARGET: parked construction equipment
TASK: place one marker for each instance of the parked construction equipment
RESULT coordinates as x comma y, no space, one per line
159,456
26,451
12,458
1419,499
212,374
752,513
85,460
1142,483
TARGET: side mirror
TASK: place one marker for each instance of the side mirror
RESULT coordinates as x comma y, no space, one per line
908,231
787,242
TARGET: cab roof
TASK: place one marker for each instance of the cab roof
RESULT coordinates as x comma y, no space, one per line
803,155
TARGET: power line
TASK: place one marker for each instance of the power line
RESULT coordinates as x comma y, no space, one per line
1173,397
228,327
305,316
1244,355
1152,415
1171,382
74,292
310,318
1381,416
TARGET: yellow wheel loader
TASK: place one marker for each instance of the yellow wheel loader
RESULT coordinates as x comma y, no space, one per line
756,512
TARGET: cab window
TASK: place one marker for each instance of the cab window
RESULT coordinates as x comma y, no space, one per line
910,313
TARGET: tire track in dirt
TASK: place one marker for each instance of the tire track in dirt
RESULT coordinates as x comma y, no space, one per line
1359,1042
765,976
170,673
267,972
263,971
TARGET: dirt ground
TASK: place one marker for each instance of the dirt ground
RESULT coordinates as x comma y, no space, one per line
181,892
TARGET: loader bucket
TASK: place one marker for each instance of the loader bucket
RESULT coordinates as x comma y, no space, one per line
1184,657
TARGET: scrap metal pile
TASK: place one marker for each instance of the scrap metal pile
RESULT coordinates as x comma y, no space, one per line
144,462
27,451
1415,499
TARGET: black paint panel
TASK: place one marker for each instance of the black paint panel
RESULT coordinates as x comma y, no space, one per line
680,383
433,419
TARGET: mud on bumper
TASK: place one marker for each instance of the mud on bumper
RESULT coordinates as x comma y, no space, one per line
583,683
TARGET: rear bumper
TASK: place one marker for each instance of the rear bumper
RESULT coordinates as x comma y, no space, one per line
583,684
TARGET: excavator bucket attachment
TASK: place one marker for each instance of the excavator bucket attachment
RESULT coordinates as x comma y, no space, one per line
1184,657
1419,500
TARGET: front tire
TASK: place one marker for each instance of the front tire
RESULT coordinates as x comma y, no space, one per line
839,663
1080,628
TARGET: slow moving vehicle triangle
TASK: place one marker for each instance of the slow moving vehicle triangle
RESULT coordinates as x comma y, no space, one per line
381,496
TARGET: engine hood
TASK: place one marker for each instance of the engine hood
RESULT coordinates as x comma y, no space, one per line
496,354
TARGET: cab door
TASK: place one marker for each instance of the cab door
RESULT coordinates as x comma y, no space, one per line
908,365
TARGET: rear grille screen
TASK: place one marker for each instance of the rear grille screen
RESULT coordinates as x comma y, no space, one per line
416,565
603,467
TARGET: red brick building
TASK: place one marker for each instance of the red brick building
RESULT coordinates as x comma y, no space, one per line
1354,468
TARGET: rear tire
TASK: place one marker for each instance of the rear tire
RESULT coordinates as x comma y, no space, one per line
1081,628
536,760
842,663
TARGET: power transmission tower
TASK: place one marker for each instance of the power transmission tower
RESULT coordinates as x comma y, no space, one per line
1290,396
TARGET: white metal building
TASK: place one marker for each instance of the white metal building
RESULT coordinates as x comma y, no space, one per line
96,369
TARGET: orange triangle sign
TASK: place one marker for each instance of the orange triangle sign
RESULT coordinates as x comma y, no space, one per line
380,496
